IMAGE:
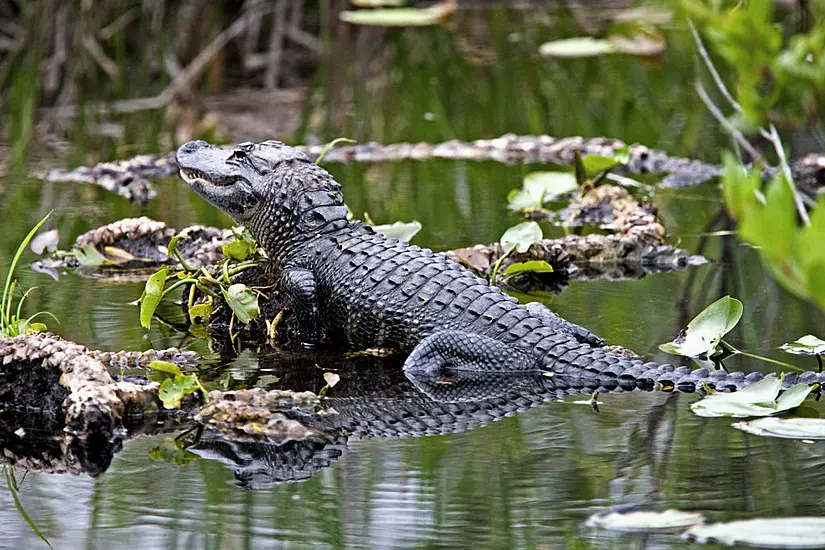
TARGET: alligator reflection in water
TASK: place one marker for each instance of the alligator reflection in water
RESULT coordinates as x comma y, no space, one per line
273,436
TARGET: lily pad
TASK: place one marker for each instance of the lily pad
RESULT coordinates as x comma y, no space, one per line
243,301
759,399
540,187
520,237
639,520
807,345
89,256
399,17
165,366
172,452
576,47
705,331
403,231
793,532
789,428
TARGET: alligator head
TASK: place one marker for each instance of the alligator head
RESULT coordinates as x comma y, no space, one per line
272,188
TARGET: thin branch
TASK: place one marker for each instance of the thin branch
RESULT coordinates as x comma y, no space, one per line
786,169
717,114
713,72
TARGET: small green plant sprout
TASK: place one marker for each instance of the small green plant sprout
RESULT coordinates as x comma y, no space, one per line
12,323
519,238
704,333
239,254
807,345
330,145
760,399
175,385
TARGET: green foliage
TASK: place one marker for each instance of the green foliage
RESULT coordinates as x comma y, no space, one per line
175,385
533,266
539,188
760,399
706,330
403,231
776,81
172,451
12,323
240,254
793,253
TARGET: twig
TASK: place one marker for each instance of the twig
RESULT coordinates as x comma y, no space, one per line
717,79
717,114
786,169
95,50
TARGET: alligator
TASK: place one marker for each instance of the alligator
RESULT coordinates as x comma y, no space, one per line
347,284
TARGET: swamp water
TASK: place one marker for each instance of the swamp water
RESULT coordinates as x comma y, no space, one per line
528,481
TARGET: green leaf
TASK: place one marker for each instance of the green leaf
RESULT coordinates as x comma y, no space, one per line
403,231
576,47
759,399
89,256
173,390
201,311
152,294
520,237
13,490
739,187
789,428
771,226
807,345
640,520
533,266
165,366
243,301
546,186
594,164
790,532
237,250
171,452
705,331
400,17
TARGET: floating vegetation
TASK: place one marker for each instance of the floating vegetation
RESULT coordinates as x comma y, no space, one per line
703,334
634,519
793,532
760,399
788,428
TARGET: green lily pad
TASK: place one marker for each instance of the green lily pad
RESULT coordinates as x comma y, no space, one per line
593,164
403,231
639,520
789,428
793,532
152,294
520,237
705,331
243,301
397,17
540,187
576,47
807,345
759,399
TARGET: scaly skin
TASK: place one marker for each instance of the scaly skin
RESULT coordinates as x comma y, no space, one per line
349,284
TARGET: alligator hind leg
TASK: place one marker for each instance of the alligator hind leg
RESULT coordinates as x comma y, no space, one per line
452,350
298,286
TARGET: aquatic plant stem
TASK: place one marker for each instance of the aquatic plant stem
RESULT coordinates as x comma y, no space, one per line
735,351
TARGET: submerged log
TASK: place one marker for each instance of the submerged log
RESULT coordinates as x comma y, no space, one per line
130,178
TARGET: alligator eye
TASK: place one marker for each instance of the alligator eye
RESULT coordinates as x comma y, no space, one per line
238,154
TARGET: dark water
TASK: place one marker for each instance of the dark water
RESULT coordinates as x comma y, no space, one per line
527,481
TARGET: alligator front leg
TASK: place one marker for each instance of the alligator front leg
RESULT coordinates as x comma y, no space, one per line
451,350
298,286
